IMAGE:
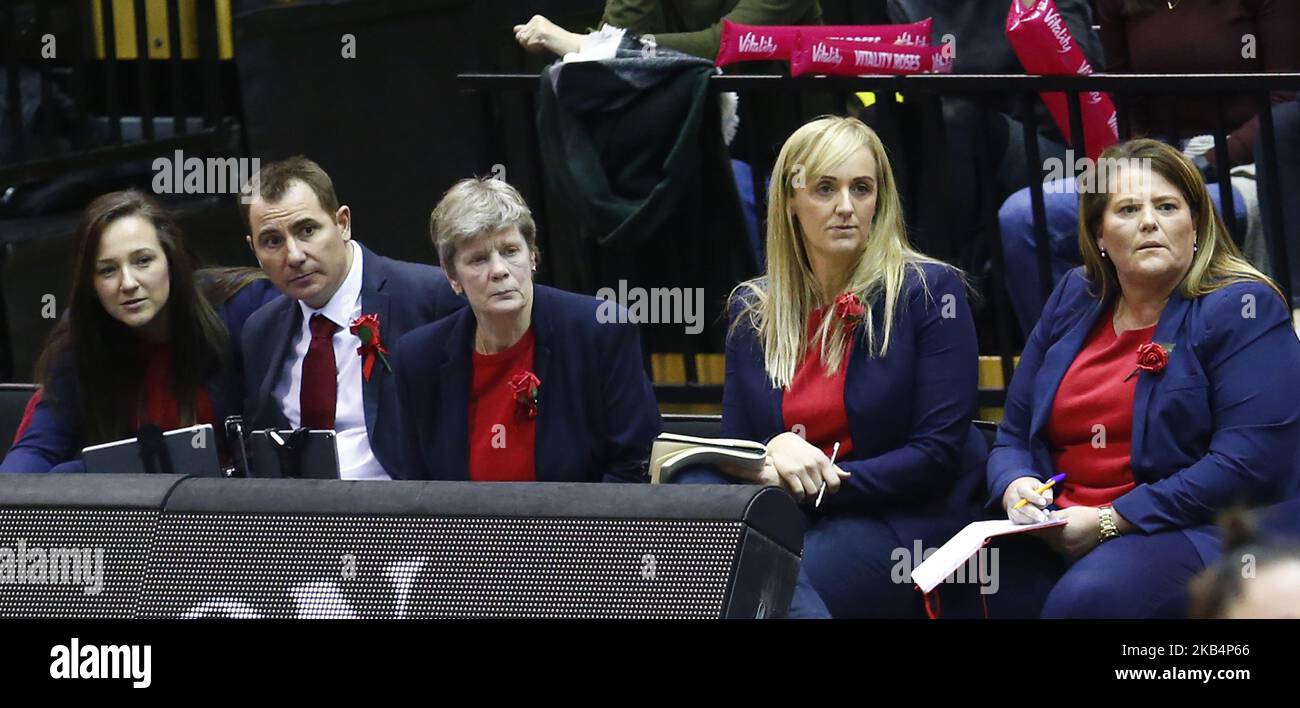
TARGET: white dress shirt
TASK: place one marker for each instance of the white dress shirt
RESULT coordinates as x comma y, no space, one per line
356,459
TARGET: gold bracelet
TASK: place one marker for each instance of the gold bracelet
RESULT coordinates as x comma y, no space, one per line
1106,517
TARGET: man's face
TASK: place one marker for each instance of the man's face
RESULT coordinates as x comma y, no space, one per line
303,249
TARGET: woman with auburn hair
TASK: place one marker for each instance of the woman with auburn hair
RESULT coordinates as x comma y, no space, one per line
146,338
1151,382
854,341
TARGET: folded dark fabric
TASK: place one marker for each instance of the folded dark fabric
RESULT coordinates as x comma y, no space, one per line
634,160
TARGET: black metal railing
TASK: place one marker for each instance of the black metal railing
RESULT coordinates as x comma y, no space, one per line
100,88
1125,89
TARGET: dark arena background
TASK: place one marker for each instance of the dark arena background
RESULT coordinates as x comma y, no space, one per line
785,299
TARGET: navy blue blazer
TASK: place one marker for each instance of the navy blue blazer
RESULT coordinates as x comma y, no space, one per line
55,437
596,416
1279,523
403,295
1219,426
917,462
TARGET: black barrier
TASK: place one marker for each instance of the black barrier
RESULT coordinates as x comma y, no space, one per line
247,548
1127,87
77,67
76,546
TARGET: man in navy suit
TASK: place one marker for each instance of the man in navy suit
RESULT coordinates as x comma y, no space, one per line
304,364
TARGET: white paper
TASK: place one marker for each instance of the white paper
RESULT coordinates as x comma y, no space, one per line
966,543
597,46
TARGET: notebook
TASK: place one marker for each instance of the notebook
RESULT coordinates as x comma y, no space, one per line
966,543
672,452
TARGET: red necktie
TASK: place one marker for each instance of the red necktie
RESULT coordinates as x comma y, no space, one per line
319,376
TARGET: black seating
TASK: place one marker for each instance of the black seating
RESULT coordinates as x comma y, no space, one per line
710,426
990,430
700,426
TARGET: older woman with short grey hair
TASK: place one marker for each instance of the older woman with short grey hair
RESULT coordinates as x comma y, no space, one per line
473,207
528,383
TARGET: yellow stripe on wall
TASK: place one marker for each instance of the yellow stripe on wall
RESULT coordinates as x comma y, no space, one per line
155,15
669,368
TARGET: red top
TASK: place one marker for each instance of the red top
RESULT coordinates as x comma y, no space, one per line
159,405
1091,427
815,401
28,412
501,434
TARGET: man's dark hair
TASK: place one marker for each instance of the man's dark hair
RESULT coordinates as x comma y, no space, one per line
274,180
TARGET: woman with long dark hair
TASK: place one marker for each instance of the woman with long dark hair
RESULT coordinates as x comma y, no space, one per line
147,338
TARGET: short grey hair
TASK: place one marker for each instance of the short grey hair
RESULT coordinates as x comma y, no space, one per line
477,206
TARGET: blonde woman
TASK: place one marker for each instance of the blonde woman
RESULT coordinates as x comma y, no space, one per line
1159,379
852,338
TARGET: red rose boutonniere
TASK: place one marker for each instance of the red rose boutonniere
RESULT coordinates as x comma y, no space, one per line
524,387
366,328
850,309
1152,357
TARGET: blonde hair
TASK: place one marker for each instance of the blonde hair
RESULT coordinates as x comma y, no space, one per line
778,306
1216,263
476,206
